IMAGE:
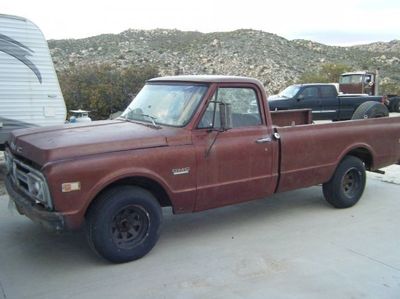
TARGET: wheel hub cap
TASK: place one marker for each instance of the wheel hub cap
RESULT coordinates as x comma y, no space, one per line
129,227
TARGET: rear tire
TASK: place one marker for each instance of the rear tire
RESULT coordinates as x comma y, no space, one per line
347,184
370,109
395,106
124,224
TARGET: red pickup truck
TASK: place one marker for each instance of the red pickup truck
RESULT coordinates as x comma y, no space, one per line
192,143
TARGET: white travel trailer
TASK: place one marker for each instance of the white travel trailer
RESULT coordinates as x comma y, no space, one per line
30,94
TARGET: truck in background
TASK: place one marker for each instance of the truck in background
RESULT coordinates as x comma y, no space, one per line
30,94
325,102
365,82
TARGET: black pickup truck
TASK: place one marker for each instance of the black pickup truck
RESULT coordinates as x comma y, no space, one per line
323,99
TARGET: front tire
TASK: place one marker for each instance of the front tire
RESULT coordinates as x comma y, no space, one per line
124,224
347,184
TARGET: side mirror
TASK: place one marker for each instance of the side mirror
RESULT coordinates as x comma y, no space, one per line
300,97
225,114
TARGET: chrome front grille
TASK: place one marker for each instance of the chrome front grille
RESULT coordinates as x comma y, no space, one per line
28,180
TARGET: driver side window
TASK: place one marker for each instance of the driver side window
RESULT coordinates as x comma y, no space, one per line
310,92
244,105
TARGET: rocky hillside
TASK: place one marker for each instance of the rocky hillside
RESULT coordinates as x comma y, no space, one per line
272,59
393,46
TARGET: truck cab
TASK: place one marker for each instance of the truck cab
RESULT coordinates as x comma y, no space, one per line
362,82
320,98
366,83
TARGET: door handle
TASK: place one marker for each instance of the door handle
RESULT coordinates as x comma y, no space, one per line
264,140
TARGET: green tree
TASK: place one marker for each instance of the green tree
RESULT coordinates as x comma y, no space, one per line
102,89
389,88
327,73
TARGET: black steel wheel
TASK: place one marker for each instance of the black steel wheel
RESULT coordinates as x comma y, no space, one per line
347,184
124,223
351,182
130,226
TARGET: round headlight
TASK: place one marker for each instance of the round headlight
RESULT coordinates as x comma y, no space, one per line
35,186
8,161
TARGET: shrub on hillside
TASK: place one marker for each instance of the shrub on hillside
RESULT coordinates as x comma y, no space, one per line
102,89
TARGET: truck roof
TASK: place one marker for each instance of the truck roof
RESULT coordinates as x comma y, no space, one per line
356,73
207,79
314,84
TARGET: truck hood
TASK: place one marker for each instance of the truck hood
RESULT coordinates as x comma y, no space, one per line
43,145
276,97
278,102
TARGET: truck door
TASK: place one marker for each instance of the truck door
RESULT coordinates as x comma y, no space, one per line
308,97
329,108
238,164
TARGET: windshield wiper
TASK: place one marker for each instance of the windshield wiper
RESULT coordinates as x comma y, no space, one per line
152,118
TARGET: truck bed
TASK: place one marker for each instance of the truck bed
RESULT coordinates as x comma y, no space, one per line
310,153
294,117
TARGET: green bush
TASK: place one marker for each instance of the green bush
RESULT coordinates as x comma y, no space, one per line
102,89
327,73
389,88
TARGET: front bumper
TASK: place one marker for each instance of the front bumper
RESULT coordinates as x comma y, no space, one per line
50,220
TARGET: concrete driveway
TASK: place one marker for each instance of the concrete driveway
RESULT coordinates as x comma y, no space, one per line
292,245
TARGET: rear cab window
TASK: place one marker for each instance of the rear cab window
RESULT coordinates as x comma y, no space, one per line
328,91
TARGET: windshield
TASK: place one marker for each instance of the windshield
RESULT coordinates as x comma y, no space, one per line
290,91
350,79
165,104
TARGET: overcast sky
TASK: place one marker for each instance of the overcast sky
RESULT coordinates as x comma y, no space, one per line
331,22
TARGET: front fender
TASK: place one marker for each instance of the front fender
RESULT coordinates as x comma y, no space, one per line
126,173
94,173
